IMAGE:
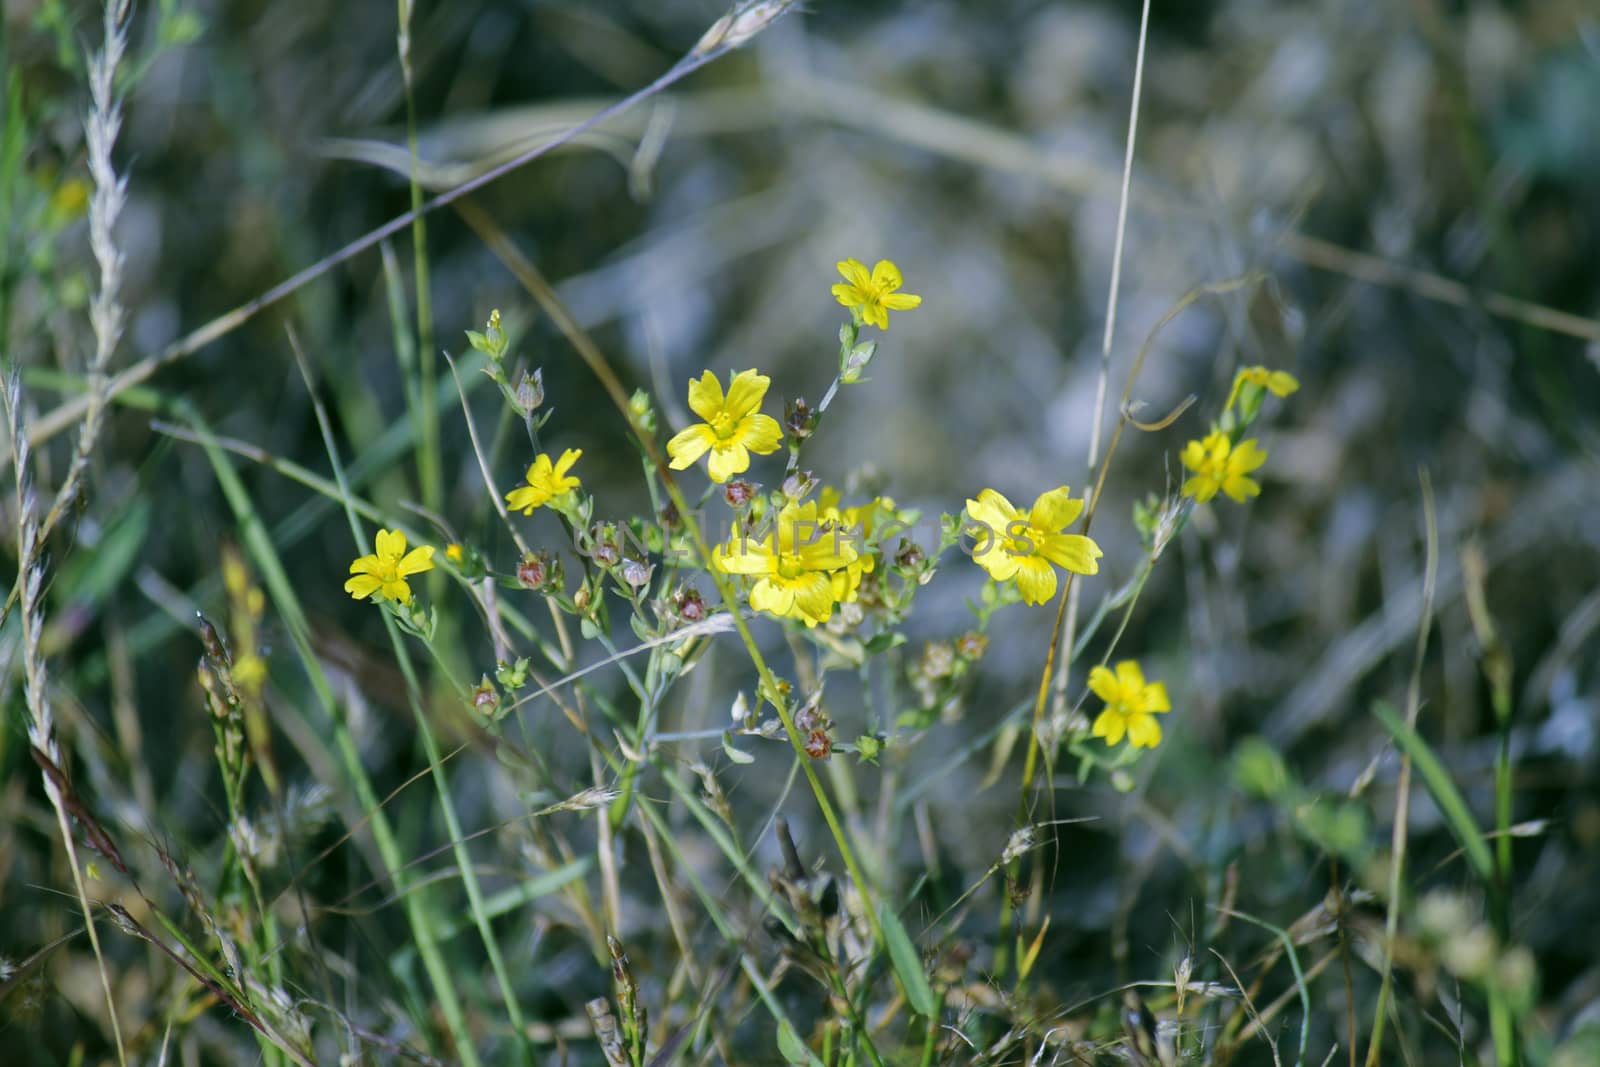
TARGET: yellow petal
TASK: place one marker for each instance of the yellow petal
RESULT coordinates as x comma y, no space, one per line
1110,725
746,556
1281,383
1075,552
991,498
524,499
362,586
813,597
1036,579
705,396
1000,564
1130,677
416,561
689,445
1143,731
759,433
886,276
1055,510
398,591
1194,456
391,545
728,460
568,458
745,393
875,315
1155,698
1103,684
1241,488
1246,457
772,596
848,295
1200,487
854,272
365,565
901,301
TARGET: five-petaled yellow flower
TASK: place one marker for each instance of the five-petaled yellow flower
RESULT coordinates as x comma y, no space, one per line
546,481
1012,544
384,573
873,294
1219,464
734,426
1131,705
794,566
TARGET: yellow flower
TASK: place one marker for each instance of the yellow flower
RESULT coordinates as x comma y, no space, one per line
1131,705
546,481
793,565
857,525
734,426
455,552
1023,546
1218,463
873,295
1276,382
383,574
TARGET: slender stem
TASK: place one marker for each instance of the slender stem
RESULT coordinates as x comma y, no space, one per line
430,742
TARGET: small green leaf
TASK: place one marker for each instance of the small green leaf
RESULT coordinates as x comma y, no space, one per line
907,963
733,753
884,642
793,1049
1445,794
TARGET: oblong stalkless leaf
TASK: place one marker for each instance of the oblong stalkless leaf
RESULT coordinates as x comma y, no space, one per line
737,755
907,963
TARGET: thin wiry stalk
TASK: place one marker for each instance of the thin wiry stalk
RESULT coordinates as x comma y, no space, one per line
107,316
1070,592
434,753
428,449
41,718
1402,796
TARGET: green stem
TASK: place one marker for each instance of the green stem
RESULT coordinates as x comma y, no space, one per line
418,916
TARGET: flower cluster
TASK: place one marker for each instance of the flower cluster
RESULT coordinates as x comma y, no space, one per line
814,559
1221,461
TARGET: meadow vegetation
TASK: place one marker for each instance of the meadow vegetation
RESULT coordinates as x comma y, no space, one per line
835,534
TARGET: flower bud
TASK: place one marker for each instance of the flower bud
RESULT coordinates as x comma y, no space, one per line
798,485
639,407
910,555
690,605
856,362
534,570
485,698
738,493
636,573
530,391
798,418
